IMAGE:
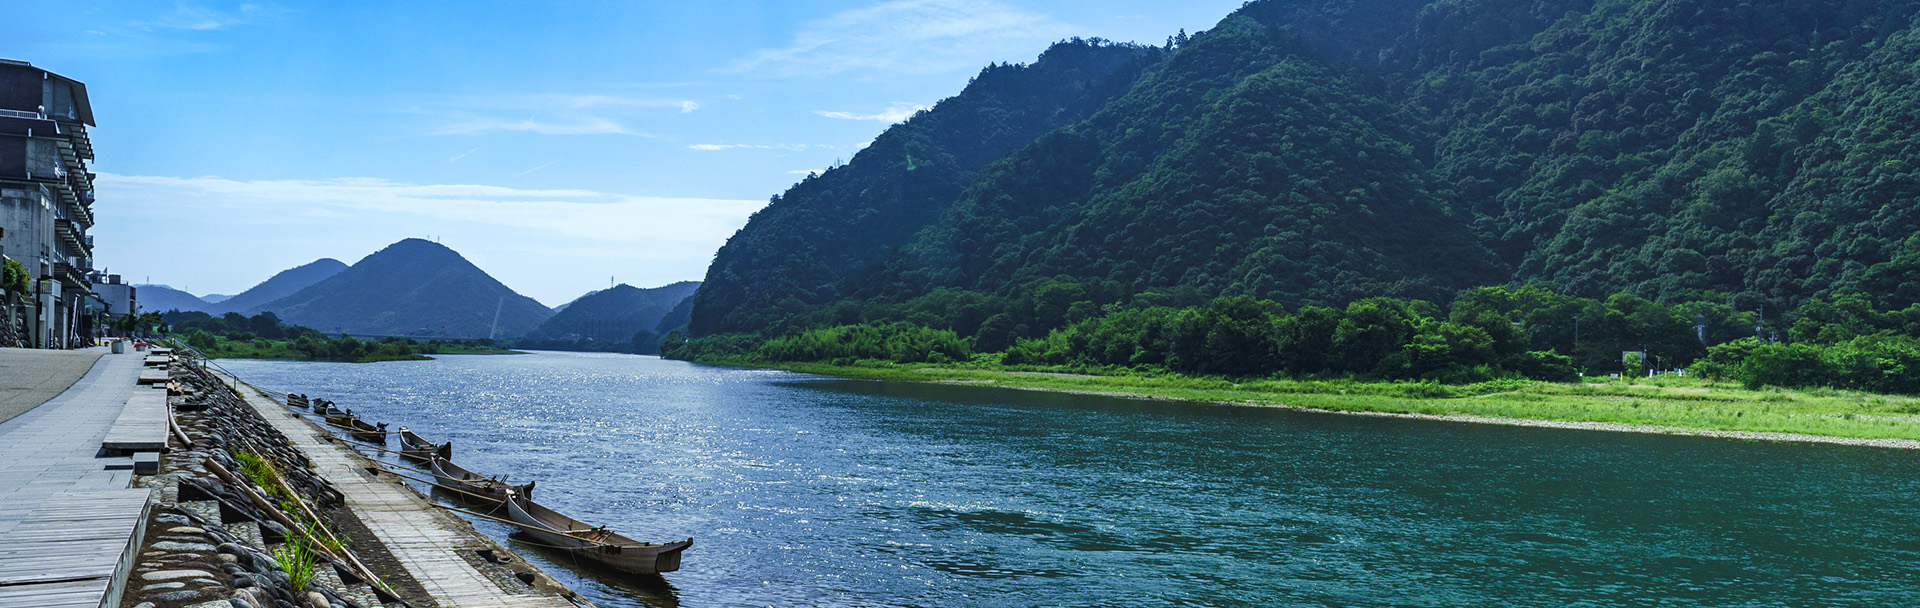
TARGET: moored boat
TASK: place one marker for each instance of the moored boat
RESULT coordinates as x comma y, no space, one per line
595,543
415,447
299,401
368,432
337,417
475,485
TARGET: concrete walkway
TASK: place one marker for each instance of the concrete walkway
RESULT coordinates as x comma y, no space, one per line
30,377
426,541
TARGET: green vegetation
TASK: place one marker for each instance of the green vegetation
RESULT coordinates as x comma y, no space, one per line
263,336
13,277
1712,158
1680,403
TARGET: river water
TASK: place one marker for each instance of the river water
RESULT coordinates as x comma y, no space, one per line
808,491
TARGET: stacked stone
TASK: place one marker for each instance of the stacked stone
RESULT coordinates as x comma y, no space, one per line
207,544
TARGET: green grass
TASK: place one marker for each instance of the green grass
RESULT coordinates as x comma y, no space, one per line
1680,403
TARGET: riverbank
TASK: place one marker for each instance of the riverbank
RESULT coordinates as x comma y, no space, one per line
257,508
1665,405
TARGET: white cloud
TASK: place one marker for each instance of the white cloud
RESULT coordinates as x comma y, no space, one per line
550,244
910,37
462,155
689,106
894,113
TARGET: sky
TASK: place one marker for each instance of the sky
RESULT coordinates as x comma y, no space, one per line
558,145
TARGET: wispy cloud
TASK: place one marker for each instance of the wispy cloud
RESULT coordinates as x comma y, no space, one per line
281,223
788,147
909,37
187,16
894,113
524,173
548,114
463,155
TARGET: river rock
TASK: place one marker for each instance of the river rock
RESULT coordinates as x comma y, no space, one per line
167,575
317,600
186,530
163,586
167,545
171,518
176,596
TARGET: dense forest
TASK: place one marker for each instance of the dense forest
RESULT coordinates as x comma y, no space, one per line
1321,170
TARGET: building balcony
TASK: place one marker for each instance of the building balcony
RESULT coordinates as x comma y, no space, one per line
71,277
73,237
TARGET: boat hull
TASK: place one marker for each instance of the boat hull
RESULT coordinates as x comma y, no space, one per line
473,486
635,558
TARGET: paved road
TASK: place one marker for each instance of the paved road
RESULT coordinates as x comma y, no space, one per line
30,377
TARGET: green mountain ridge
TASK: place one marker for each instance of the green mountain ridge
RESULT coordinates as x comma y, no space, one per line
1317,153
614,314
412,287
280,285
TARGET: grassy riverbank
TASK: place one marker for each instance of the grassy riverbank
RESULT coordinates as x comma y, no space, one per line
343,349
1684,404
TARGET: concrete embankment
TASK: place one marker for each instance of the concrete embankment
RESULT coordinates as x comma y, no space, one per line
234,510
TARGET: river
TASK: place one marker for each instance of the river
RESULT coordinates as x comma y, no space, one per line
802,490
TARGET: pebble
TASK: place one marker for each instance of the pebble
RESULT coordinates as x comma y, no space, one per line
153,553
167,575
186,530
206,581
160,586
315,598
227,558
144,605
171,518
167,545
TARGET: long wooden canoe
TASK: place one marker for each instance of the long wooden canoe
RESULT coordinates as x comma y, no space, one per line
594,543
414,447
366,431
476,486
299,401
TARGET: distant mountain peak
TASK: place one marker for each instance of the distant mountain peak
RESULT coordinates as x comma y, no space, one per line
412,287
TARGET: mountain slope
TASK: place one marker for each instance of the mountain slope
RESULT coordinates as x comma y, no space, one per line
161,298
615,314
1747,154
280,285
413,287
804,249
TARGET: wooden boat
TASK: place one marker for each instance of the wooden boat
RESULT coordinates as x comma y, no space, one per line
364,431
476,486
338,417
594,543
414,447
299,401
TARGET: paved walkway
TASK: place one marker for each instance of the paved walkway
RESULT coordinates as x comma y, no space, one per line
55,447
68,524
426,541
29,377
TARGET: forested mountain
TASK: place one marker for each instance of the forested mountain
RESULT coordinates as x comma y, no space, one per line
806,248
1749,154
615,314
413,287
280,285
161,298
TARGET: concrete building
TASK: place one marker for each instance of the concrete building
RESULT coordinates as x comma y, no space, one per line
46,206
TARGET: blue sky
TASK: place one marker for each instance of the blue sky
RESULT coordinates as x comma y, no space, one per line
555,144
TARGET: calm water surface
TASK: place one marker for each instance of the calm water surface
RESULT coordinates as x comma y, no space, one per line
802,490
